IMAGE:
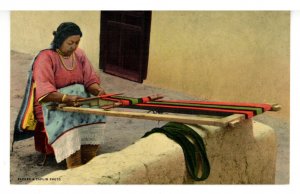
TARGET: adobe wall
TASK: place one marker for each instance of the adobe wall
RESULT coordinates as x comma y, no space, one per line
245,154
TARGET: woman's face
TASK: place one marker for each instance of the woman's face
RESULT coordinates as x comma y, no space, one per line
70,44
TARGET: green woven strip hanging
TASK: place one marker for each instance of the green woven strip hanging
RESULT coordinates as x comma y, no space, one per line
192,146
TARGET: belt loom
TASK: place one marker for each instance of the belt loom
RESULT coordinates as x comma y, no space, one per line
182,111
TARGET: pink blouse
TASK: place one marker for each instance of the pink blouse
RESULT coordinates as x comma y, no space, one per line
49,75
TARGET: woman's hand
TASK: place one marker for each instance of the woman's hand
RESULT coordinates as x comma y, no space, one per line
100,91
71,100
96,90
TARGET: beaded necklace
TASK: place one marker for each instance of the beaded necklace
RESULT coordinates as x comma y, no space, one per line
65,66
62,54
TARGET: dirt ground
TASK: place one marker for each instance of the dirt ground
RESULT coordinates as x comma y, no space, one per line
119,133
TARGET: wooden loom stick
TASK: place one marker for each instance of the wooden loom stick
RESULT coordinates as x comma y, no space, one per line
98,97
157,117
233,120
275,107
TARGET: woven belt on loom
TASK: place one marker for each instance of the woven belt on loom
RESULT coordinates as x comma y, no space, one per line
194,151
192,107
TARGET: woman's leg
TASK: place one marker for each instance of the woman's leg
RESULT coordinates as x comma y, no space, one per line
88,152
74,160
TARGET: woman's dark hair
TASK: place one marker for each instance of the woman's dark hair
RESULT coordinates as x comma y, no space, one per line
63,31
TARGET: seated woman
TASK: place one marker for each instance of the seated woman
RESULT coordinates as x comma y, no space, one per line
65,65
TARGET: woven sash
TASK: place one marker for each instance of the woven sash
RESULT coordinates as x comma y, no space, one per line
25,122
192,146
192,107
29,122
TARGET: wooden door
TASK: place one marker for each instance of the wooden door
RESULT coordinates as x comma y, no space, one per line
124,43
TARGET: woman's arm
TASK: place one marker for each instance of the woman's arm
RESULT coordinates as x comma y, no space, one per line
70,100
95,89
90,78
